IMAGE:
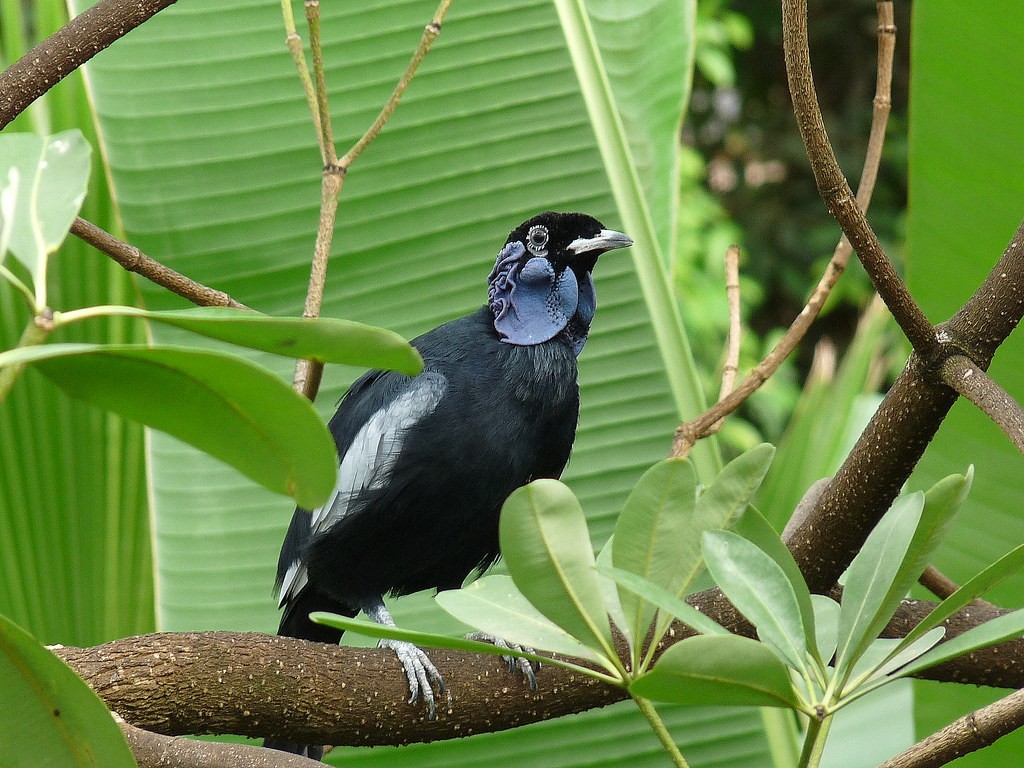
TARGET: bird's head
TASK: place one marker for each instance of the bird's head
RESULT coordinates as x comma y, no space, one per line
541,284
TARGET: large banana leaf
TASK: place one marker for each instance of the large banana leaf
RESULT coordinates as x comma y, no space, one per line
216,172
966,190
75,563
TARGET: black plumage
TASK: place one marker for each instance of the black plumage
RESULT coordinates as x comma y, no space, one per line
427,461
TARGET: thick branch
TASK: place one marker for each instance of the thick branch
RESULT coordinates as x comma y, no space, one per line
262,685
134,260
69,48
968,734
153,750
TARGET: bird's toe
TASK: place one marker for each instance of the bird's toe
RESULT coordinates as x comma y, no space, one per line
525,666
423,677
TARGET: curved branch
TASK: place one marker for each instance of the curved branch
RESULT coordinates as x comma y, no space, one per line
834,189
154,750
970,733
69,48
688,434
995,402
134,260
262,685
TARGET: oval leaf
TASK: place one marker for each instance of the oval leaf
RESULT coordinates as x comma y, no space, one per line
656,536
327,340
51,717
610,592
723,670
53,173
230,408
870,579
547,550
759,589
755,528
494,605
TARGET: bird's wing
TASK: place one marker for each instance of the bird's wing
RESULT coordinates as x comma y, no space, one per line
367,463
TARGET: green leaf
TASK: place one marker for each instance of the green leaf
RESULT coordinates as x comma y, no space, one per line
997,630
941,503
327,340
902,654
648,258
610,592
51,717
973,210
759,589
665,601
755,528
826,626
232,409
657,536
647,50
9,184
433,640
731,491
722,670
870,578
546,546
53,173
494,605
1000,570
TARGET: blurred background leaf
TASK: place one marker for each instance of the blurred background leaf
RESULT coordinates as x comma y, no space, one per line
75,556
966,191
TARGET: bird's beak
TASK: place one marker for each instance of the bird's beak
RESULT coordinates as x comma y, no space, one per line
606,240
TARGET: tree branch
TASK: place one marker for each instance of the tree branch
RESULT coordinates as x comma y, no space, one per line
262,685
154,750
970,733
994,401
69,48
834,189
308,372
134,260
688,434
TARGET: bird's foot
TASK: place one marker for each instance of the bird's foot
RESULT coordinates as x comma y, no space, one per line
420,671
528,668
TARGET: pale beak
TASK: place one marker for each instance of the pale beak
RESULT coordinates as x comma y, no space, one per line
606,240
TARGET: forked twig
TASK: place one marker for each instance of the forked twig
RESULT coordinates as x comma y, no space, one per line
307,372
688,434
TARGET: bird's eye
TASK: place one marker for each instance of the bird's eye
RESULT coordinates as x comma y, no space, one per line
538,237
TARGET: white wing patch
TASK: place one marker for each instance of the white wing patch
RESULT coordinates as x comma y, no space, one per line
368,462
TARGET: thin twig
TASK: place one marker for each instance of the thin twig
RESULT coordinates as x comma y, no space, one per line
134,260
970,733
69,48
323,108
836,192
970,381
308,372
294,43
732,292
697,429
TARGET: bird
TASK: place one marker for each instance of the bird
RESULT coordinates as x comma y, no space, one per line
427,461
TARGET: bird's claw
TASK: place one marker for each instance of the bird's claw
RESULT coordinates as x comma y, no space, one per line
525,666
420,671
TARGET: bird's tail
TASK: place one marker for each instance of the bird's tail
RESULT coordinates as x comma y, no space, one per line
295,623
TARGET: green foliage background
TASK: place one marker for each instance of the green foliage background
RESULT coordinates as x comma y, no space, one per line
212,159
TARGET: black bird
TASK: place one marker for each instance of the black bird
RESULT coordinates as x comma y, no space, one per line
427,461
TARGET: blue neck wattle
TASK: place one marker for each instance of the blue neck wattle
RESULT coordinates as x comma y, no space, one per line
533,304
